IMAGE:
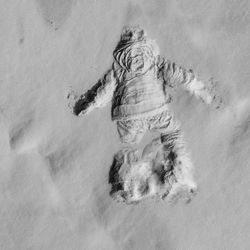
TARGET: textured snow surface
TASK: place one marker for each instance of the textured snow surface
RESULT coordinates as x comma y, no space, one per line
54,167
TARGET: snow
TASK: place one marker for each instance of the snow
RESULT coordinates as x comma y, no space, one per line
54,167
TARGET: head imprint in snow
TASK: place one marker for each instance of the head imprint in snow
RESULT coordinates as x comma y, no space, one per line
135,52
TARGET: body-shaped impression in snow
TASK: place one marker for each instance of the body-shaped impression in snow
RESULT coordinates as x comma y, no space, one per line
138,84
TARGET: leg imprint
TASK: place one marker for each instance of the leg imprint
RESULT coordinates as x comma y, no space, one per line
173,149
172,140
130,131
183,170
161,122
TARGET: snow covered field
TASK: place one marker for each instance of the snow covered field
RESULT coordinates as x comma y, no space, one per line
54,191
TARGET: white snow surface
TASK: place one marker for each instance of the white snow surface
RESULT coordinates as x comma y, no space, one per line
54,190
